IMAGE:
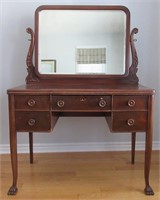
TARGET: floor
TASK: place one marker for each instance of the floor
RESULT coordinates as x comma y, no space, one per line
87,176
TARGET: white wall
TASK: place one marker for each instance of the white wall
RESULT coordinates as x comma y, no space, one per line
16,16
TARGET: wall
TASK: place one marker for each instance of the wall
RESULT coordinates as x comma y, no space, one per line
73,134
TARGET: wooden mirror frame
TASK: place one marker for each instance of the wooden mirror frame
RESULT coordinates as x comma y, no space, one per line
129,77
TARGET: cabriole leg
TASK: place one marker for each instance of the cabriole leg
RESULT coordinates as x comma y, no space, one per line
148,190
13,148
148,148
13,145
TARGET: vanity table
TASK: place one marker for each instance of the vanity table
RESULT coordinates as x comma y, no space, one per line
99,80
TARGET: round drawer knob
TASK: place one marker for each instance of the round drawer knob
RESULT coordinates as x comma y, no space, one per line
31,122
102,103
130,122
131,103
60,103
31,102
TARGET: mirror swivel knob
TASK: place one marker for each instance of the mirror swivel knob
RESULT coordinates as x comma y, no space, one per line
131,103
60,103
102,103
130,122
31,102
31,122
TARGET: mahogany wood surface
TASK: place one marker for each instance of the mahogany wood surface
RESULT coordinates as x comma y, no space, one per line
36,108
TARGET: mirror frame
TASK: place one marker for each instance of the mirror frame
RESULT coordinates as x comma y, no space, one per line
121,8
34,77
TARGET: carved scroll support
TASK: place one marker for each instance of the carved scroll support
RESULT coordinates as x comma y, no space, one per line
31,77
132,76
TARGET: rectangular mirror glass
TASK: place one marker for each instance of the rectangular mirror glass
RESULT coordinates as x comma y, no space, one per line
83,41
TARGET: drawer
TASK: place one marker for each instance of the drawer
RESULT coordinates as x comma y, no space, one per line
32,102
81,103
130,102
33,121
129,121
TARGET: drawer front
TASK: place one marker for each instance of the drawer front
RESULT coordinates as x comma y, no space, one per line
81,103
130,102
129,121
32,102
33,121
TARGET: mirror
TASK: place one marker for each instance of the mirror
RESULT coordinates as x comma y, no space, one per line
81,40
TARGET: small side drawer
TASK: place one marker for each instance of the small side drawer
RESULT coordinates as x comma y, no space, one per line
33,121
129,121
81,103
32,102
130,102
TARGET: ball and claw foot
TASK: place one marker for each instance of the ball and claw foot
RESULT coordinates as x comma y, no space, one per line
148,190
12,190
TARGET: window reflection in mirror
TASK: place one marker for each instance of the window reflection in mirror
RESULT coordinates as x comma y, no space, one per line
82,41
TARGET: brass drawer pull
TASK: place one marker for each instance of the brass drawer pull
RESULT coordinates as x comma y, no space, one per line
31,122
102,103
31,102
60,103
131,103
130,122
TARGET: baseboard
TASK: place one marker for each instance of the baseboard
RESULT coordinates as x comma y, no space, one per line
79,147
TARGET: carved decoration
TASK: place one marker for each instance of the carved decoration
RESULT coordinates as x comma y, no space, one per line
132,77
31,77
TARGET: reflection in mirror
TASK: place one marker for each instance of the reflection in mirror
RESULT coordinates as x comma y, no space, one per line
82,42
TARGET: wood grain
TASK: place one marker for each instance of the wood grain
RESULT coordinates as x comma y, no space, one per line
89,175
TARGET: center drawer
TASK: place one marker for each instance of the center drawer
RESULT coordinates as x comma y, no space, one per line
81,103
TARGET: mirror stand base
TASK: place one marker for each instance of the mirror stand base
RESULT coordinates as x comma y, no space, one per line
12,190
